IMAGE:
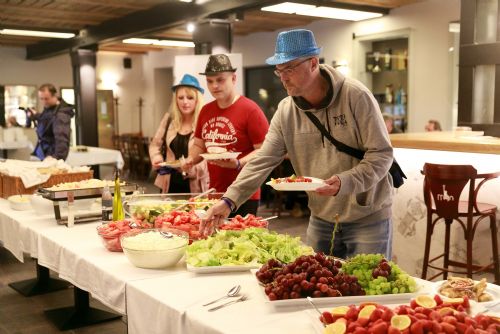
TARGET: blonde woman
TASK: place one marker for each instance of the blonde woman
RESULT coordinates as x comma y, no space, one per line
174,137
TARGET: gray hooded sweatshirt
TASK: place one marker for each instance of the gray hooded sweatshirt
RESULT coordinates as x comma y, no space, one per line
355,119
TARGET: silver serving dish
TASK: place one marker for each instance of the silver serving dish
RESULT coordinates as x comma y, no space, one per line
70,196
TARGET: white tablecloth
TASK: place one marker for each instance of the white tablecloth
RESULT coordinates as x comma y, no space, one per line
95,156
14,145
76,253
174,305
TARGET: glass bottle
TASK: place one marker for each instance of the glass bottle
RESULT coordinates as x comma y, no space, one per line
107,204
118,213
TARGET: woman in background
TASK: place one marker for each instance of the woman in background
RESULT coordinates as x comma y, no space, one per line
173,138
432,125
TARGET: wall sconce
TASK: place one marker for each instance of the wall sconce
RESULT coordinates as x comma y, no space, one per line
109,80
341,66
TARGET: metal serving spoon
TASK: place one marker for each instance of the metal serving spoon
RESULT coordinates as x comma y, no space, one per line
231,293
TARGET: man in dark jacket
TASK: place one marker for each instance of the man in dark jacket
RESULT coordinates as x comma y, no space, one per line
52,124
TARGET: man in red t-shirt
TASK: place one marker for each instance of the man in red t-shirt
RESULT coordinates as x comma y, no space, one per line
230,123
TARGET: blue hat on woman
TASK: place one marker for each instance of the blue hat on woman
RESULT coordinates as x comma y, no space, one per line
293,44
190,81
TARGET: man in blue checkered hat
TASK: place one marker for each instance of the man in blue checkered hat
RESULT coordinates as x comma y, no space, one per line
358,191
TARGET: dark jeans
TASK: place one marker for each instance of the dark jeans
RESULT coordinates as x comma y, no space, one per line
249,207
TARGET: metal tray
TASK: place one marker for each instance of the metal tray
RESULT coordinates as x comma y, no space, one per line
62,195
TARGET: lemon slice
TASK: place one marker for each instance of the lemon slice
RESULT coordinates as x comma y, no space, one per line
446,310
425,301
366,311
338,327
340,310
400,322
453,300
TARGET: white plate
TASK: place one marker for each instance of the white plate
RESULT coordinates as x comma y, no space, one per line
171,164
298,186
220,156
423,287
220,269
492,289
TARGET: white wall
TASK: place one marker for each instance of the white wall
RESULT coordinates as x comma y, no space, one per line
430,81
16,70
127,85
152,61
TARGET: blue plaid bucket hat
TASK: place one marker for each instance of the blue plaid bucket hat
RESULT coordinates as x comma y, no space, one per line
293,44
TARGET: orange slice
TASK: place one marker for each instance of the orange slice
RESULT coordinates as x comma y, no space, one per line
400,322
366,311
425,301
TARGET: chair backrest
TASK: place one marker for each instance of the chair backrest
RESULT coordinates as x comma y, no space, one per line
443,185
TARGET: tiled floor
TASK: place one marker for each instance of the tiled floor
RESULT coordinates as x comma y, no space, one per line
24,315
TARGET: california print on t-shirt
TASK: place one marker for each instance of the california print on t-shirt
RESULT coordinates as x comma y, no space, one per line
219,131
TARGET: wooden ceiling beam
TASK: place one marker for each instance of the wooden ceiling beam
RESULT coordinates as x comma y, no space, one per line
115,4
149,21
5,17
36,11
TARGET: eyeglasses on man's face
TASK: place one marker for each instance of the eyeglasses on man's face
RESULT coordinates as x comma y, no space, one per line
290,69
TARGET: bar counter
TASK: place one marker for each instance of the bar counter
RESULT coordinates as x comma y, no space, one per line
412,151
458,141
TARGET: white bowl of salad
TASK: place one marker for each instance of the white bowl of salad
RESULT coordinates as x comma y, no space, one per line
154,248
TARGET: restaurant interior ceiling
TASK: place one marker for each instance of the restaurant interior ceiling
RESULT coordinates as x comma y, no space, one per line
104,24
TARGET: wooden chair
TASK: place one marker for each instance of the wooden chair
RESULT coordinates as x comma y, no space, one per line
125,150
443,185
141,165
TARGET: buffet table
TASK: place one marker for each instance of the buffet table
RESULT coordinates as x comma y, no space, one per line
412,151
95,156
155,301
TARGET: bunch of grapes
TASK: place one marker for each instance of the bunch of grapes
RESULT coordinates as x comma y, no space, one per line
268,271
378,276
382,269
312,275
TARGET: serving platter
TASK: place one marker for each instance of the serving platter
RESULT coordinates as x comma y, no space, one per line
423,287
62,195
492,289
221,269
298,186
220,156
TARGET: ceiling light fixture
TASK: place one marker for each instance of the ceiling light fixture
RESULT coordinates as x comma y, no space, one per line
158,42
36,33
322,11
184,44
190,27
287,7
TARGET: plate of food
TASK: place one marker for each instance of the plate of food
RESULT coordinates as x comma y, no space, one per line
220,156
329,281
458,287
296,183
171,164
423,314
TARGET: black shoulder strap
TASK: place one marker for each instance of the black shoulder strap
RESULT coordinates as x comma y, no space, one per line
339,145
169,120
